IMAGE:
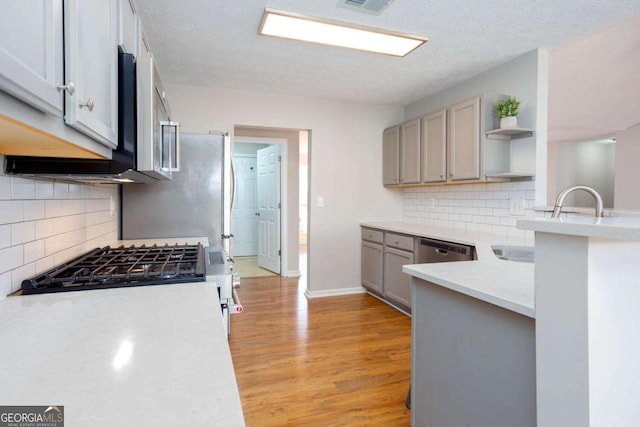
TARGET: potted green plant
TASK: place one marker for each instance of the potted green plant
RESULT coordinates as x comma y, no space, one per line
507,110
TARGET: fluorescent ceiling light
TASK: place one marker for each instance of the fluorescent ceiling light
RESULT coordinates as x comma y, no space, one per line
299,27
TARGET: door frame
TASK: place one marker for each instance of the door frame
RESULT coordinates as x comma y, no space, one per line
284,200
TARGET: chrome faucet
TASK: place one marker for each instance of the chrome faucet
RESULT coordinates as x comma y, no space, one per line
564,193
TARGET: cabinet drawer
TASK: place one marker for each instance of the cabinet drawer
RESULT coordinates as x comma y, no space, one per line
399,241
372,235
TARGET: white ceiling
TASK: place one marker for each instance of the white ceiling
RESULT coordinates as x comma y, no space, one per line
215,43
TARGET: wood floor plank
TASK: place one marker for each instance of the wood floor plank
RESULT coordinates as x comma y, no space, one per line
334,361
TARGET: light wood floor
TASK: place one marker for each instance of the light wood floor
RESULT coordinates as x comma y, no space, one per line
335,361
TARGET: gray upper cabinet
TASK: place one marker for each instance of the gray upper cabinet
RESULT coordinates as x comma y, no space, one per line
410,152
60,57
434,148
91,63
32,66
464,140
391,156
128,26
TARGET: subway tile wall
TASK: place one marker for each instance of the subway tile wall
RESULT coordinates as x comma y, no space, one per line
45,223
474,207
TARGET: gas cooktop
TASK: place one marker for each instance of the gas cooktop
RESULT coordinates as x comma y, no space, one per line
122,267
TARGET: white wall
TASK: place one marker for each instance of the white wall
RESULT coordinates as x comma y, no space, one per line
345,166
627,195
43,224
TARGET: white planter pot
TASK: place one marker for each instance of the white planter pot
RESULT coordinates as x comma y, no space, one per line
509,122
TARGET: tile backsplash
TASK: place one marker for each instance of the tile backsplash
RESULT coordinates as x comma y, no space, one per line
486,207
45,223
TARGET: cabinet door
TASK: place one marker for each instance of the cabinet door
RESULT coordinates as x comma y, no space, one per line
397,285
372,266
410,152
391,156
142,47
464,140
31,52
434,149
91,63
127,26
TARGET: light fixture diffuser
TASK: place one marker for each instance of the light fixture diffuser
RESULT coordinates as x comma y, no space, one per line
288,25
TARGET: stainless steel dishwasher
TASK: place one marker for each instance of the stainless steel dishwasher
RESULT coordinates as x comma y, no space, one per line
432,250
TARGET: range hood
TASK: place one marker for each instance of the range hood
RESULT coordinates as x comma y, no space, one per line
122,167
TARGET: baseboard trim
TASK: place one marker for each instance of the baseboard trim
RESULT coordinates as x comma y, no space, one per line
334,292
291,273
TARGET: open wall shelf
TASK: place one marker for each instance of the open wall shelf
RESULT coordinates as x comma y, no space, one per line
510,133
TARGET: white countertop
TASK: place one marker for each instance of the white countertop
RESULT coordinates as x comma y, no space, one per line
615,228
148,355
507,284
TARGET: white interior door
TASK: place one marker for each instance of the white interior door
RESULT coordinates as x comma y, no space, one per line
269,208
245,208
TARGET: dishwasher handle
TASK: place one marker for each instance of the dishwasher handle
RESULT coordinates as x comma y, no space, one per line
432,250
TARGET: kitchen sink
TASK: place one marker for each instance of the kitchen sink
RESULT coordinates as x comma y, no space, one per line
514,253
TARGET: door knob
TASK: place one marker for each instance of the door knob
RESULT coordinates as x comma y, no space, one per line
69,87
90,104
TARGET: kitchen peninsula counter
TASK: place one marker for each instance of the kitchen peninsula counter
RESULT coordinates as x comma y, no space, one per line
148,355
473,334
506,284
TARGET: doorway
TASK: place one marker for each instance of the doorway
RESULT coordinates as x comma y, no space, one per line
247,140
256,208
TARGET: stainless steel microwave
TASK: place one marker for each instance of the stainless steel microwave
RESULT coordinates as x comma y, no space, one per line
158,136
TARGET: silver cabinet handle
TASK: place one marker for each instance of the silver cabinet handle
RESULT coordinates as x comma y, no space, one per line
69,87
90,104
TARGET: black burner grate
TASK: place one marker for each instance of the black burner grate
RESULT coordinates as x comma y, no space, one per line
123,266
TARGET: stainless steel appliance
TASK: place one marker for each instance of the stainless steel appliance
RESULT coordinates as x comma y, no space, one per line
148,141
432,250
196,202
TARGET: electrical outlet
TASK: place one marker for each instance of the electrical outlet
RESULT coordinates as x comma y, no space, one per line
516,207
320,202
432,203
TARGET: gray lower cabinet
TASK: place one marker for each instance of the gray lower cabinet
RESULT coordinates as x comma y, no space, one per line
473,363
383,254
397,285
372,266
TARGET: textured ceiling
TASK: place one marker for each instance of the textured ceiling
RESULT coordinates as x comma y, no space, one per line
215,43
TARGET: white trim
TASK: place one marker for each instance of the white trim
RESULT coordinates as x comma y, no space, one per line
291,273
334,292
